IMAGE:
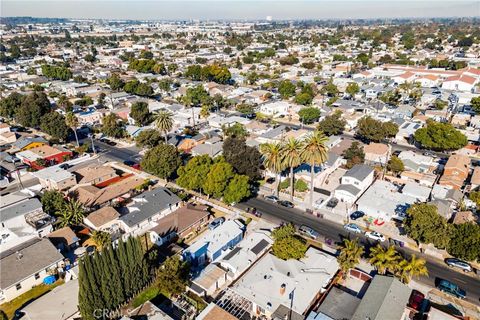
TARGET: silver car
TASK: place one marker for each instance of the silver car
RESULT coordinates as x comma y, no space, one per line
457,263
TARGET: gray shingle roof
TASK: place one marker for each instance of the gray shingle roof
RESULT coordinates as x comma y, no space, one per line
386,298
349,188
25,260
22,143
359,172
20,209
154,201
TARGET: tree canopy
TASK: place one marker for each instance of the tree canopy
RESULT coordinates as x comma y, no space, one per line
53,123
332,124
309,115
112,126
140,113
440,136
32,109
162,161
244,159
354,154
287,245
370,129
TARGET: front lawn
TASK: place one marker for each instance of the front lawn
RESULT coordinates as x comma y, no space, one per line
10,307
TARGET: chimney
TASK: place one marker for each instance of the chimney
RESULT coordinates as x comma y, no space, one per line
282,288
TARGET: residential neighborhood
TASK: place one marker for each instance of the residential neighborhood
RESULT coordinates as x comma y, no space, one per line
239,169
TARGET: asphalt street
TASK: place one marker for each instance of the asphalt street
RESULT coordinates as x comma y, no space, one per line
335,233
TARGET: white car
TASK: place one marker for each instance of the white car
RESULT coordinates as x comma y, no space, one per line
352,227
374,235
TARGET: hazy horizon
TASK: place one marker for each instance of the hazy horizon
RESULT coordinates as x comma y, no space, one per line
239,10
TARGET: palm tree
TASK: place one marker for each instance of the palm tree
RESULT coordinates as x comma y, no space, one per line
272,160
407,269
314,153
101,238
291,154
72,121
71,213
350,254
164,122
384,260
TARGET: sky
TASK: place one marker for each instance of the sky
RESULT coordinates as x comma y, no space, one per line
239,9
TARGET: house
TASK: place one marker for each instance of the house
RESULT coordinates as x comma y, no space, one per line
354,182
415,190
475,179
275,288
214,312
55,178
215,243
377,153
416,162
275,109
182,223
384,201
102,219
245,254
64,239
386,298
28,143
92,196
406,131
95,174
147,208
62,302
455,172
25,266
459,83
211,148
46,154
210,280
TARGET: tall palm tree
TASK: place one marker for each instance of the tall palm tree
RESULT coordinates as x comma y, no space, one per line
187,100
72,121
164,122
314,152
382,259
272,160
291,153
407,269
350,253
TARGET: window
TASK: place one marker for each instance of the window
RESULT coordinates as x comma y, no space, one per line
18,286
37,276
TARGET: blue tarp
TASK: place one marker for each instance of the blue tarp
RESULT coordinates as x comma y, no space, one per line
49,280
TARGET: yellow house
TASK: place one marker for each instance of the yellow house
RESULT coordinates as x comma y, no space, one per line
28,143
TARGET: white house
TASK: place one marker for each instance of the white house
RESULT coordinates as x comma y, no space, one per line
275,109
354,182
459,82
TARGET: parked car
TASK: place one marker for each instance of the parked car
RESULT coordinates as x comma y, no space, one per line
332,203
352,227
286,203
457,263
255,212
65,166
416,299
215,223
272,198
357,215
374,235
452,289
309,232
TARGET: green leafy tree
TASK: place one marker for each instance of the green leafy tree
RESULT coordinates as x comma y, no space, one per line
309,114
286,244
162,161
218,178
53,124
332,124
286,89
115,82
475,197
112,127
172,276
373,130
288,60
475,102
238,189
52,202
10,104
440,104
89,58
148,138
350,253
330,89
101,238
245,109
192,176
140,113
354,154
384,259
424,224
395,165
352,89
314,153
236,130
440,137
56,72
32,109
245,160
465,242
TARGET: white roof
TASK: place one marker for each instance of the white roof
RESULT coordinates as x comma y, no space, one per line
306,277
54,173
417,191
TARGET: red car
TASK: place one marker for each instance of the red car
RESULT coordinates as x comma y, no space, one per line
416,299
